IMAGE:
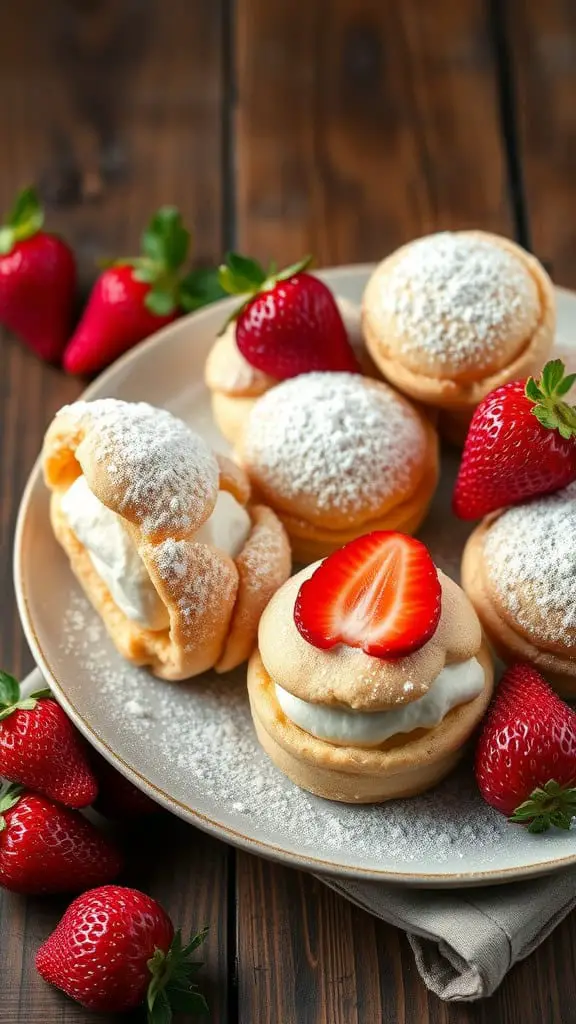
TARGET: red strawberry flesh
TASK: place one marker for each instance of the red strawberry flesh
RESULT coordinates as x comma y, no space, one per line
380,593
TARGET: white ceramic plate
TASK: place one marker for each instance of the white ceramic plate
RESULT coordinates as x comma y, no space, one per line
192,746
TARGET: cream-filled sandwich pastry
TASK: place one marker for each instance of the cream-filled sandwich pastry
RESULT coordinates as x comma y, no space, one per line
451,316
161,536
235,384
336,455
371,673
519,570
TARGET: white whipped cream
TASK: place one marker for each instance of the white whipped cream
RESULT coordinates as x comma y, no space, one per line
456,684
115,557
228,526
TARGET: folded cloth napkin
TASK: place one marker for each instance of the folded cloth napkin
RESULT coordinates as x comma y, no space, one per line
465,942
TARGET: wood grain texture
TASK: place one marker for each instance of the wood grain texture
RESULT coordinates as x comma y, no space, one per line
542,47
358,126
112,107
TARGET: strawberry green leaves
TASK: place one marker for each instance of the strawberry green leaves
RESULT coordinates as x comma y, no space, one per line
24,220
547,392
173,987
10,696
240,275
549,805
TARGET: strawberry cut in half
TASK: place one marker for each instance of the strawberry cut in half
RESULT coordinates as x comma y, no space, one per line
379,593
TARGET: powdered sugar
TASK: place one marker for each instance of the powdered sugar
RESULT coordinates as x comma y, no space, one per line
333,437
452,299
199,744
530,558
159,470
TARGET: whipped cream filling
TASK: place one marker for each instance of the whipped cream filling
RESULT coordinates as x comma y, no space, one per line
115,556
456,684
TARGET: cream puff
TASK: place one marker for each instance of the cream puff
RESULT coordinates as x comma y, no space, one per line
451,316
235,384
362,727
161,536
519,571
337,454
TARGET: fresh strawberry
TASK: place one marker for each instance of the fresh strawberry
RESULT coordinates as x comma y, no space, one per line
289,322
521,443
115,949
40,748
380,592
135,297
526,755
118,799
45,848
37,280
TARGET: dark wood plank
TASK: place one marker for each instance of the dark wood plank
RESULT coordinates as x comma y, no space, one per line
112,108
361,125
542,44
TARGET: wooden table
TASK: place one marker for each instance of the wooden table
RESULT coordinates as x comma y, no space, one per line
343,128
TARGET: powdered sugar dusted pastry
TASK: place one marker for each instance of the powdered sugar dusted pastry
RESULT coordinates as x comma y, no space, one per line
161,537
519,570
337,454
451,316
348,724
235,384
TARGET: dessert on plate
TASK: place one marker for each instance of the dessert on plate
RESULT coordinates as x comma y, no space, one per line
161,536
451,316
519,571
371,673
289,323
337,454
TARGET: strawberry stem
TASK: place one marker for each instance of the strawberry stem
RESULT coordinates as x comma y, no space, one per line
9,797
240,275
547,805
10,696
24,220
172,986
547,393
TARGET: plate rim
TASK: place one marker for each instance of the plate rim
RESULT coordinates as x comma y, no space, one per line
226,833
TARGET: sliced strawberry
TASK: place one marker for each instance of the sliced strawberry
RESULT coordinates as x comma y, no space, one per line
380,592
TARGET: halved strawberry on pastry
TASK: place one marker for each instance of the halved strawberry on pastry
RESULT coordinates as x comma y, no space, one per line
371,672
287,323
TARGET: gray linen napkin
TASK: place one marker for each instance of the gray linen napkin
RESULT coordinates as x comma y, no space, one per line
465,942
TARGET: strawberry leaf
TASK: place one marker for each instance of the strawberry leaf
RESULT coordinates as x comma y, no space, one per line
9,797
533,392
9,690
166,240
552,375
160,302
295,268
144,271
24,220
547,805
160,1012
171,985
200,288
565,385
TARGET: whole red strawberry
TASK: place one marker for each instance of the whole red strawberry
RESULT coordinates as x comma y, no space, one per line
115,949
41,749
135,297
118,798
526,754
290,323
521,443
45,848
37,280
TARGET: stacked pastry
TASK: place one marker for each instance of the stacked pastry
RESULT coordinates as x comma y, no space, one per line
161,536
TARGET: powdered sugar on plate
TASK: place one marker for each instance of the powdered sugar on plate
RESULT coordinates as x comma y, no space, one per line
201,734
455,301
530,559
340,440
